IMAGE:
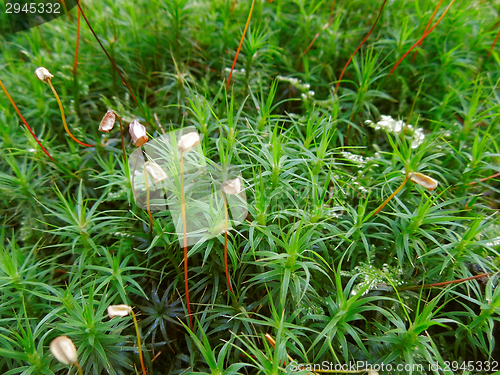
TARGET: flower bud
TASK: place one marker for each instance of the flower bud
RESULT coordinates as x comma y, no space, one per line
119,310
231,187
423,180
188,141
64,350
155,171
43,74
108,121
138,133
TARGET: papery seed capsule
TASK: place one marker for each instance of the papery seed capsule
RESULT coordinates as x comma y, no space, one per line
108,121
424,180
119,310
64,350
155,171
188,141
43,74
231,187
138,133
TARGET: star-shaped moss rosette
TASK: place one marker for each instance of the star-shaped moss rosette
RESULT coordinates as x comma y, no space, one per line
205,200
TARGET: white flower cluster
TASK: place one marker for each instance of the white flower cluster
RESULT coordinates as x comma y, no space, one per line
297,83
494,242
235,71
358,186
308,95
395,127
357,159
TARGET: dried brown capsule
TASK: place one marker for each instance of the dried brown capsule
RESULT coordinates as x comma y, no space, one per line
108,121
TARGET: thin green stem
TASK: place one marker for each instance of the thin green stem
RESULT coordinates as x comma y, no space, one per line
139,343
123,141
225,242
133,175
147,199
64,117
184,227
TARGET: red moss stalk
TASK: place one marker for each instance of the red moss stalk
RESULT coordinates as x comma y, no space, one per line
493,45
24,121
483,179
427,27
241,43
444,283
326,26
125,82
390,197
422,38
357,49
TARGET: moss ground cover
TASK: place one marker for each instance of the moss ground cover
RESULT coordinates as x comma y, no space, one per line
370,231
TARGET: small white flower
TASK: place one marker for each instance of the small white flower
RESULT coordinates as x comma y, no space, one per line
231,187
424,181
155,171
108,121
188,141
138,133
119,310
64,350
43,74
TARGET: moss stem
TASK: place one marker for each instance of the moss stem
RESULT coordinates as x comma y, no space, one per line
147,200
64,117
357,49
422,38
390,197
24,121
184,227
225,242
139,343
123,141
80,371
241,42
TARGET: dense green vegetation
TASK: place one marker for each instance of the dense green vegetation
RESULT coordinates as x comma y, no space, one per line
313,265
